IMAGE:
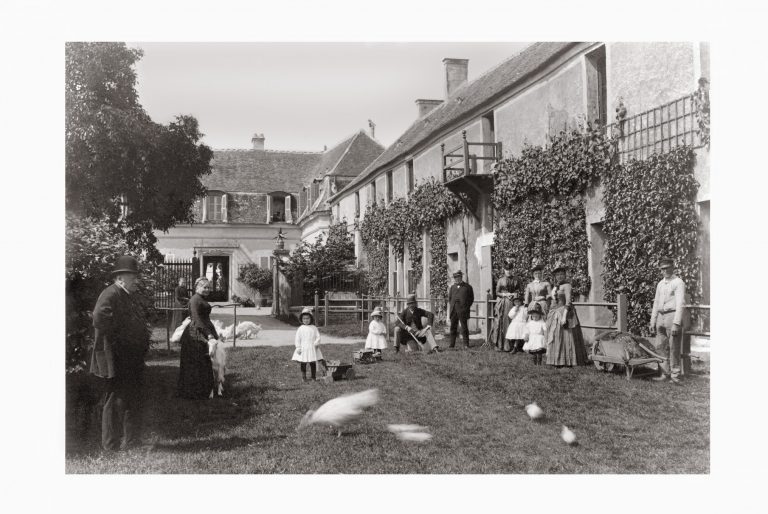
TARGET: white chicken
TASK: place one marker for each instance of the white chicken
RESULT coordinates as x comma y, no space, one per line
534,411
568,436
341,411
415,433
245,330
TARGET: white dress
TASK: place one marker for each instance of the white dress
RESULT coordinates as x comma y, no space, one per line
308,340
537,336
517,319
376,339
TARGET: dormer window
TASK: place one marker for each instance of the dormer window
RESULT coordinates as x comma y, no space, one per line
215,207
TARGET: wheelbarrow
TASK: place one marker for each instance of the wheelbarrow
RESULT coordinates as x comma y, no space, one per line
336,370
622,349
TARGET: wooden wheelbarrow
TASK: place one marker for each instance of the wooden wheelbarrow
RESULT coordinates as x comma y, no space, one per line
336,370
623,349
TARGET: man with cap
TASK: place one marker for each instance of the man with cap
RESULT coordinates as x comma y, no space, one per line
460,299
667,319
410,321
121,343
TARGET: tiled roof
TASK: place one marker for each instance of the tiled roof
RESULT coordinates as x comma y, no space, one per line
463,101
261,171
265,171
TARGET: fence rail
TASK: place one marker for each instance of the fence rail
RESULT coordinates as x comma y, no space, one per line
657,130
169,274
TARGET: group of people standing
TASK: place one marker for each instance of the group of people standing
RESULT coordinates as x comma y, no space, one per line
541,320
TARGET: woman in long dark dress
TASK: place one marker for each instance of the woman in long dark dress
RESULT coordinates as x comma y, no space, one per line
565,342
196,370
180,301
504,289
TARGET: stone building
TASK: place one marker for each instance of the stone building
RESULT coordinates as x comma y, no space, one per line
253,193
544,89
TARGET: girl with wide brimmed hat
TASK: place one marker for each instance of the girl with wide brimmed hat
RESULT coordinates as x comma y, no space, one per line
307,344
377,330
535,334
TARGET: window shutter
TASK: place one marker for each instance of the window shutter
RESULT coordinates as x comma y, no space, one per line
224,207
264,263
205,210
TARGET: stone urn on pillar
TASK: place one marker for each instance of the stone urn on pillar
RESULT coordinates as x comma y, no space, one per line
281,288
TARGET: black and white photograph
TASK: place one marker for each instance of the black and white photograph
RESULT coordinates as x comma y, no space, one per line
464,265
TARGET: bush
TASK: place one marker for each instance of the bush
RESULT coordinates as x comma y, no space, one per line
245,302
92,246
255,277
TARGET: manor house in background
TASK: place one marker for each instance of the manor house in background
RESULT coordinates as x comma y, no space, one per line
253,193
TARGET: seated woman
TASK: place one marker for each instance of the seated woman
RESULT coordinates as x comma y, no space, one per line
196,370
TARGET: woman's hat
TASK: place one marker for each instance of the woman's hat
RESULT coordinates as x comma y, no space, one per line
508,264
537,265
126,264
666,262
411,299
376,312
458,273
560,266
536,309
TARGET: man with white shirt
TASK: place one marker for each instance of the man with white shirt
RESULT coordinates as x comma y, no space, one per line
121,343
667,319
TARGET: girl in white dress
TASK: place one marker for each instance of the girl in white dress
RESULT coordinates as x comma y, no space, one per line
535,335
376,339
518,317
307,345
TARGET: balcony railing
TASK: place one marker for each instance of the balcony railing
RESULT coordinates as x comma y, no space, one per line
658,130
461,162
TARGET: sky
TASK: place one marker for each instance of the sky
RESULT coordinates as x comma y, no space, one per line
301,96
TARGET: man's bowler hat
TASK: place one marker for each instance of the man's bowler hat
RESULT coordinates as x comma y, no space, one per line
126,264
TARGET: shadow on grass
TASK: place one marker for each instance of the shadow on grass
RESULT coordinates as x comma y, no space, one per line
217,443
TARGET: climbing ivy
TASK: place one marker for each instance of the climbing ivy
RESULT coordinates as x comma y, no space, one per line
403,222
539,201
650,213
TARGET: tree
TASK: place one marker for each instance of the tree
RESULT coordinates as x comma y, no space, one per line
314,261
256,277
117,157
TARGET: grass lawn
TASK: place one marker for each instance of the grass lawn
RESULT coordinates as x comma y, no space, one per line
472,402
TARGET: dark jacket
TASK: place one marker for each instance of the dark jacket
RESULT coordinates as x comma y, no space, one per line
200,312
460,299
122,335
414,318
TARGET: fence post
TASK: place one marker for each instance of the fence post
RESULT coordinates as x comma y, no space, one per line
168,317
621,312
234,330
488,299
325,311
317,305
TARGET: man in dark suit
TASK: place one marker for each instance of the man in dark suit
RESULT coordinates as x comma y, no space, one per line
460,299
410,321
121,343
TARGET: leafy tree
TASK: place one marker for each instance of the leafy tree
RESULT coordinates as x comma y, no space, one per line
117,156
314,261
256,278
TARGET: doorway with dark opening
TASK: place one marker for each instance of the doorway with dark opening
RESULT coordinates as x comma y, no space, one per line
216,269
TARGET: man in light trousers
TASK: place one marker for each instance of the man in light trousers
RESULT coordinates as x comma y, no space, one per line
667,320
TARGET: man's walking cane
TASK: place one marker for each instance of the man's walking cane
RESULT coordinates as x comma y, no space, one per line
410,333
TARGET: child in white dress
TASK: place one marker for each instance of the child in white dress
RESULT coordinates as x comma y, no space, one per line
518,317
307,345
535,335
377,331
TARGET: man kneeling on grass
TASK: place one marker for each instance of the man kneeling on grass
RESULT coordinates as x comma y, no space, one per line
409,328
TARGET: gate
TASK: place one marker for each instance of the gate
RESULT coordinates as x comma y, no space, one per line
168,278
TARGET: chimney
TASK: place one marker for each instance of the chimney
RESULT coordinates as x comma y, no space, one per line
258,141
372,126
426,106
455,74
